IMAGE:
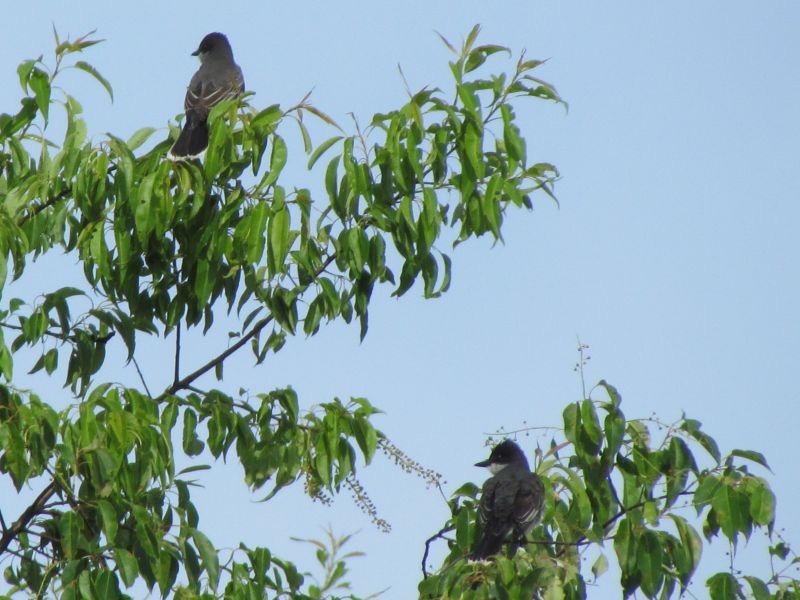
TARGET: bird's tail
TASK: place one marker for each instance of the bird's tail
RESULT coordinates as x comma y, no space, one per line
192,140
488,545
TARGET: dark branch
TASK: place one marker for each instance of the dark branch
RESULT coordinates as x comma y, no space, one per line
625,510
98,339
141,377
184,383
438,535
177,354
46,204
36,508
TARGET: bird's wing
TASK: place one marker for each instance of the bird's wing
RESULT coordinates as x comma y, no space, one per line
528,502
204,93
485,508
496,506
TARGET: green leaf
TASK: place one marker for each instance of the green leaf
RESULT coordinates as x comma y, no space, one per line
192,445
85,586
733,514
762,503
278,240
276,162
6,362
625,548
580,512
109,518
692,427
366,437
24,72
194,469
591,427
208,557
613,395
756,457
706,491
691,549
69,526
479,55
464,530
249,233
39,82
515,145
471,37
321,149
571,416
614,427
106,586
758,588
724,586
127,565
140,137
650,559
86,67
600,565
144,214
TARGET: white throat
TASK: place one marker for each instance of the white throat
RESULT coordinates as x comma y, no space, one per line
495,468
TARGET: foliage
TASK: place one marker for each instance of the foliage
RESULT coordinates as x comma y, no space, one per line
165,246
611,485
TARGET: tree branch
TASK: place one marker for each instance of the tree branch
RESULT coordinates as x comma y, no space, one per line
46,204
184,383
177,376
18,526
438,535
98,339
625,510
141,377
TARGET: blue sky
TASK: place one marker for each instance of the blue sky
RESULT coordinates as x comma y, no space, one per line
674,252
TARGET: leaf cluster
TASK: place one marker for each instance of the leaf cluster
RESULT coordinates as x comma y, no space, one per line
610,482
164,247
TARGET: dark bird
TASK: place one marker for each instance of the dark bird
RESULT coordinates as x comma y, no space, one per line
511,500
218,78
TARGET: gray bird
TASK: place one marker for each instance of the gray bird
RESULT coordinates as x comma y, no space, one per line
511,500
218,78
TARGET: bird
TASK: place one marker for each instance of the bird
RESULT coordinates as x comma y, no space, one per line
218,78
511,500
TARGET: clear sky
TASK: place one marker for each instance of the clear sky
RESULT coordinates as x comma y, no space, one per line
674,253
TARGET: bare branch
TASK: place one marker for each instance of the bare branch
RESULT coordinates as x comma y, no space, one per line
438,535
184,383
141,376
177,353
18,526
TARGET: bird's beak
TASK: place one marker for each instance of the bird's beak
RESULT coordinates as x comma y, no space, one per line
483,463
196,52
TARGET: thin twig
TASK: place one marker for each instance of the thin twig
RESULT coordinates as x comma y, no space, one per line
97,339
438,535
177,353
183,384
625,510
46,204
141,377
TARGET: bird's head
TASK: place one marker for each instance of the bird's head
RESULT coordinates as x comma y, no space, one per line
213,45
502,455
